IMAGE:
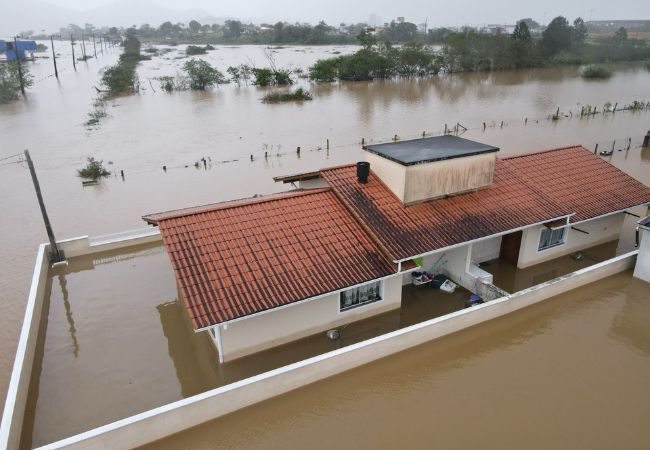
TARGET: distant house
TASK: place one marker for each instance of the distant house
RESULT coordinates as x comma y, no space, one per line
7,47
261,272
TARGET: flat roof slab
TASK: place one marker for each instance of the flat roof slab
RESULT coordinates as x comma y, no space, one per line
418,151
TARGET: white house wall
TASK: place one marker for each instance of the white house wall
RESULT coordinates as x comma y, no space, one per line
486,249
642,268
452,176
391,173
256,333
455,263
600,231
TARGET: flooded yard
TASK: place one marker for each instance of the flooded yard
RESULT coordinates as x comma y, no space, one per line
570,372
117,342
227,126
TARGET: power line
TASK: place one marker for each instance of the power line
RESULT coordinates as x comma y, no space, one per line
12,156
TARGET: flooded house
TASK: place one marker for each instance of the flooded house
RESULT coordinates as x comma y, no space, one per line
343,246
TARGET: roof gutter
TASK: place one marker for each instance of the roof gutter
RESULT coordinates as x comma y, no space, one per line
601,216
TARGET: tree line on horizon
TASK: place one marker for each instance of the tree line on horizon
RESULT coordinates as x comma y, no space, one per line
560,43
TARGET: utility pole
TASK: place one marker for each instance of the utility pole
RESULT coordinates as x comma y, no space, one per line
20,69
56,72
83,46
74,63
55,255
94,46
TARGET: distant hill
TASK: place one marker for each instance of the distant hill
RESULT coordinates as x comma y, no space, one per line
38,15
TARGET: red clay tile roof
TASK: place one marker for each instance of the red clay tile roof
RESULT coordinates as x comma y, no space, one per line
237,258
577,179
526,190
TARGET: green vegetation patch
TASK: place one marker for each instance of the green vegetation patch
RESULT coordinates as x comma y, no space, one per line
121,78
93,170
299,94
202,75
10,81
195,50
596,72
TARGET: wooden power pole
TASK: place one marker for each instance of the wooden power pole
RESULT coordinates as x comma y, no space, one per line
74,63
55,255
56,72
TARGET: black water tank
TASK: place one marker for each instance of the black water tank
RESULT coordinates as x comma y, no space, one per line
363,170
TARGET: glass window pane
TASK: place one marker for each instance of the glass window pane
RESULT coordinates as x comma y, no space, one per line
361,295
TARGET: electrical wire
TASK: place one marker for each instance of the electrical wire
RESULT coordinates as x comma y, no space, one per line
12,156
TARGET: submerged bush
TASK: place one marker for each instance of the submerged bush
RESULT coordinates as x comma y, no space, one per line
596,72
324,70
93,170
195,50
166,83
372,62
299,94
98,113
10,81
121,77
202,75
271,77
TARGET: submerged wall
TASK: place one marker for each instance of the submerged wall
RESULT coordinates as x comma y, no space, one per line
282,325
600,231
14,410
642,267
174,417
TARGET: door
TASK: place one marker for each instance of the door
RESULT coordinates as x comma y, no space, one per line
510,245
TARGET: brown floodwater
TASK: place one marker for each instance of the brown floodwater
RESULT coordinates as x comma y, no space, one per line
229,124
102,304
571,372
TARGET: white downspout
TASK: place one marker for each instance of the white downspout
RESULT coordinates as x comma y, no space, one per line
217,340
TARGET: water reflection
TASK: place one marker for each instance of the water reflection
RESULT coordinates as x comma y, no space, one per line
68,314
197,368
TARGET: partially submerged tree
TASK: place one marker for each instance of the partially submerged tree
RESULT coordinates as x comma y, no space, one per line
366,38
202,75
10,77
93,170
122,77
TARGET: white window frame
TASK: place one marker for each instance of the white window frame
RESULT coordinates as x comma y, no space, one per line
560,242
359,305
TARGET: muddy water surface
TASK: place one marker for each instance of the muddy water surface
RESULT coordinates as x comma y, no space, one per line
571,372
229,124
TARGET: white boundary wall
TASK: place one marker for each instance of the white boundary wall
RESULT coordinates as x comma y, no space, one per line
14,411
177,416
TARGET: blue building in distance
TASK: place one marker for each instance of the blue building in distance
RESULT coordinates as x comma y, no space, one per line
7,47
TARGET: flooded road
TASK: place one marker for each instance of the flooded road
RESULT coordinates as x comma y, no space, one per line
571,372
229,124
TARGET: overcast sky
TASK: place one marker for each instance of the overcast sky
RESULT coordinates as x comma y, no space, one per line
456,12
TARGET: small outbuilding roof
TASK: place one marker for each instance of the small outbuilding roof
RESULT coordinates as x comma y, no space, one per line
419,151
238,258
